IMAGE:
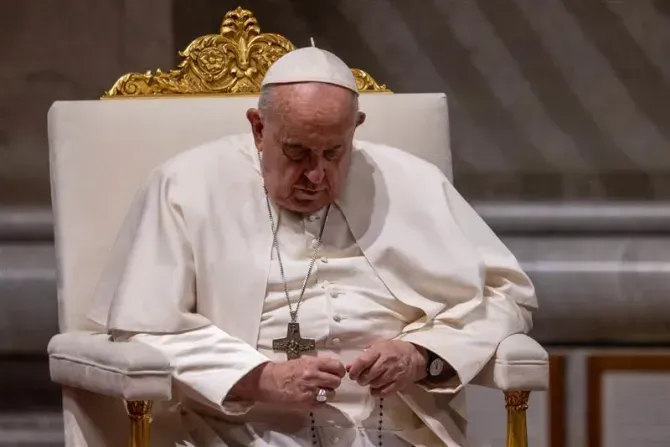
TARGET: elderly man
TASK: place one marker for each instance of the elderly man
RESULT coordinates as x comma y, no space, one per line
310,289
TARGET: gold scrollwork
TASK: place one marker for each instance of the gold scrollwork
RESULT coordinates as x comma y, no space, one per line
139,412
517,400
366,83
231,62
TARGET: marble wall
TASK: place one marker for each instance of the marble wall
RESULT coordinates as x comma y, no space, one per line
64,50
559,100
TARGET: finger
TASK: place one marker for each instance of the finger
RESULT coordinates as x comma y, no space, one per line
383,379
363,362
327,381
332,366
386,390
374,372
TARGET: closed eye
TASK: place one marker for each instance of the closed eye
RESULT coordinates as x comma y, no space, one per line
295,153
298,152
331,154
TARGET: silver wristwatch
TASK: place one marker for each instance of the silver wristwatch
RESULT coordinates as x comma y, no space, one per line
435,365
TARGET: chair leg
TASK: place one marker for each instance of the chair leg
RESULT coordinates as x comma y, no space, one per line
139,412
516,403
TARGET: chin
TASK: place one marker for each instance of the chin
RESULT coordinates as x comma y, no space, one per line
307,203
306,207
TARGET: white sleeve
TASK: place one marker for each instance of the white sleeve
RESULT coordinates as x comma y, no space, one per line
206,362
507,302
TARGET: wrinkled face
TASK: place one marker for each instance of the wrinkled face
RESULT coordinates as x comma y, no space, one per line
305,135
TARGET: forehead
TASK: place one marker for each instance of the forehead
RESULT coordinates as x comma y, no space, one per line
314,105
313,133
294,144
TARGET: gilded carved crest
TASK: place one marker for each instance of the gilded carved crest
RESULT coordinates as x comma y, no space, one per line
231,62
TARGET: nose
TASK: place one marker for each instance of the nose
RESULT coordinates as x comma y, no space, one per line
316,172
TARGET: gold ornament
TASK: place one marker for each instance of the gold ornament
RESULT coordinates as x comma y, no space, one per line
232,62
517,400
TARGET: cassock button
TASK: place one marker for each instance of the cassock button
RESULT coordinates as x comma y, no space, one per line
313,217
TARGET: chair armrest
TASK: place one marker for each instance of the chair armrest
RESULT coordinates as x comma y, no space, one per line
93,362
520,363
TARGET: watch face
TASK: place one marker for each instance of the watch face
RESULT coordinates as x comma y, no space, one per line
436,367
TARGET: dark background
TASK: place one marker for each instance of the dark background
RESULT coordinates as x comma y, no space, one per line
559,99
555,101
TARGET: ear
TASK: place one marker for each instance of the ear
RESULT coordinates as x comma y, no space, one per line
360,118
254,118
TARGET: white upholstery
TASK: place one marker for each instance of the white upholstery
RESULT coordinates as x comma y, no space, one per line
100,152
127,370
134,371
520,364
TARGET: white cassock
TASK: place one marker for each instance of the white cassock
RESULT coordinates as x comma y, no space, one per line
403,257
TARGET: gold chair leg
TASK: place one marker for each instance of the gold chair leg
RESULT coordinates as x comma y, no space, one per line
516,403
139,412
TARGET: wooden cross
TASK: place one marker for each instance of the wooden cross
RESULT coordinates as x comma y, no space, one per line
293,344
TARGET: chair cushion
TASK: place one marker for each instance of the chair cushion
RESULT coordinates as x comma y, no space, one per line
520,363
127,370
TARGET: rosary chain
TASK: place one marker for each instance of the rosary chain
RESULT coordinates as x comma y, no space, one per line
380,426
294,313
275,243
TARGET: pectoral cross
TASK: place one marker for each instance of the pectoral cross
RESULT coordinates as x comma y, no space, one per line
293,344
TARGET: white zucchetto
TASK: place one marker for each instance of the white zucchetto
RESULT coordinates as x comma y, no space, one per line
310,64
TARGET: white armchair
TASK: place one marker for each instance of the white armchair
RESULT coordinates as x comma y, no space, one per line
101,151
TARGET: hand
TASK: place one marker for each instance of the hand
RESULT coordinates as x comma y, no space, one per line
298,381
389,366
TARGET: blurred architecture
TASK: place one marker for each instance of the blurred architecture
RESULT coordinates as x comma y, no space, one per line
560,135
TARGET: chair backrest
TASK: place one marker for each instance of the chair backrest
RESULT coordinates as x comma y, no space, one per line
101,151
